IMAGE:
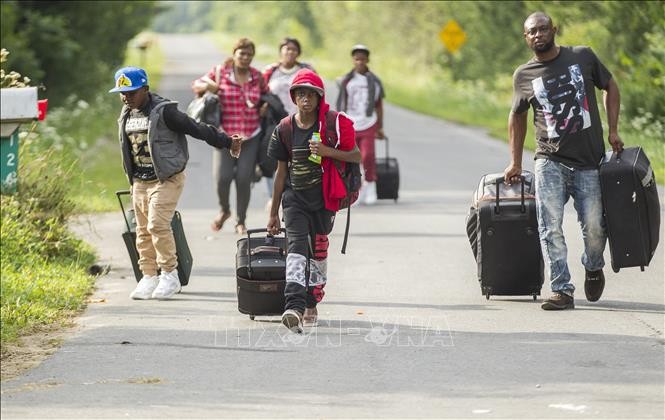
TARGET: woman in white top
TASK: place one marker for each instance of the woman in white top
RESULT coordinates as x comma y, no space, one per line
279,76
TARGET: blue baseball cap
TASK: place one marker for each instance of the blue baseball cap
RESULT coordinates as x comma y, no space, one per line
128,79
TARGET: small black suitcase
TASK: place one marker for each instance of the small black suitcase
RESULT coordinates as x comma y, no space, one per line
503,232
631,206
185,260
261,273
387,176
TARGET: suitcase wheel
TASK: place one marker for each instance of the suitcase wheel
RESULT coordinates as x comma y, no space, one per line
487,296
616,270
251,317
535,297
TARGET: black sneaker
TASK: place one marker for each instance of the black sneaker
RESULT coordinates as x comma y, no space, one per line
594,284
558,301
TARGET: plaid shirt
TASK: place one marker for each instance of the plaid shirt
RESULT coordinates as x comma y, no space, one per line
240,103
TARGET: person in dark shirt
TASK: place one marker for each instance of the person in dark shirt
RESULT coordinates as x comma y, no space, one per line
154,155
306,185
559,84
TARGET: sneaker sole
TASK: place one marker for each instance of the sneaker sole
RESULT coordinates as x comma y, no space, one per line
135,297
548,306
310,323
593,298
165,297
292,322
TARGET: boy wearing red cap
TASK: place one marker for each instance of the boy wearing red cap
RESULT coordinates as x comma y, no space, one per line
309,192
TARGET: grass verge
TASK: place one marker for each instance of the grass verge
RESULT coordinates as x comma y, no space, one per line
43,278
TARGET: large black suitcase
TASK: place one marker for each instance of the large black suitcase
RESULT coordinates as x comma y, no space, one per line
387,176
631,206
261,273
503,232
185,260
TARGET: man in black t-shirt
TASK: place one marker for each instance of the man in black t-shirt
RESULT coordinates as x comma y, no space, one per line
559,84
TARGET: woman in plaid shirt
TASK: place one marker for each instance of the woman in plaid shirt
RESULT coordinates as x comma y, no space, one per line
239,88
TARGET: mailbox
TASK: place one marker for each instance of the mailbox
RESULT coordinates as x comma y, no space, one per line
17,106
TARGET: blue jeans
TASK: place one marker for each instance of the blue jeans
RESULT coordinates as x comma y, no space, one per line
555,184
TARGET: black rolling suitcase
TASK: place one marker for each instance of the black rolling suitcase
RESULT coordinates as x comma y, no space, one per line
261,273
503,232
387,176
631,206
185,260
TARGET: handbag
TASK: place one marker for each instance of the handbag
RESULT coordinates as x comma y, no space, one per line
206,108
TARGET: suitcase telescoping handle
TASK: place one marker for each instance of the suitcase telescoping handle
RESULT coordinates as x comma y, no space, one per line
385,138
122,206
501,181
249,234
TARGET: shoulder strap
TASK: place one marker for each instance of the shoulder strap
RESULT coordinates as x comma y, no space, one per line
267,74
218,74
286,132
331,128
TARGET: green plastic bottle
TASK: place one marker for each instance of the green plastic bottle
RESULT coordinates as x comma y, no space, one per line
314,157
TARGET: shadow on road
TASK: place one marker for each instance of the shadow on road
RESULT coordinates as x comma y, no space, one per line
623,306
413,305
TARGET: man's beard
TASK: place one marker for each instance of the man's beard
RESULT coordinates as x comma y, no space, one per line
544,48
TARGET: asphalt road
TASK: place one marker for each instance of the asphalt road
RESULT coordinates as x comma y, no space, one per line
405,331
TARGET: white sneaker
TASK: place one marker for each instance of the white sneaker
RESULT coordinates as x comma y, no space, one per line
145,288
370,193
292,320
169,285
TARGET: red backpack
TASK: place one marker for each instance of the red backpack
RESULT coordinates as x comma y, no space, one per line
348,171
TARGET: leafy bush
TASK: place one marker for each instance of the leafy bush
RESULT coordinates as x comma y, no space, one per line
43,266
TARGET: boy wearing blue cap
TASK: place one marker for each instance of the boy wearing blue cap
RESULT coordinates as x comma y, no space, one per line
154,155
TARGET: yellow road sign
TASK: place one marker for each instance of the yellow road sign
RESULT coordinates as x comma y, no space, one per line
452,36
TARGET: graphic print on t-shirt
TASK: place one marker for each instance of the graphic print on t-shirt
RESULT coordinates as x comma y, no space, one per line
136,128
357,102
358,97
564,103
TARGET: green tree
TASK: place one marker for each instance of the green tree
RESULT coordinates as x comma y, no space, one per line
403,36
638,46
71,47
494,39
185,17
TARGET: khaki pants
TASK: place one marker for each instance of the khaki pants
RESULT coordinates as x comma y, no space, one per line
154,206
